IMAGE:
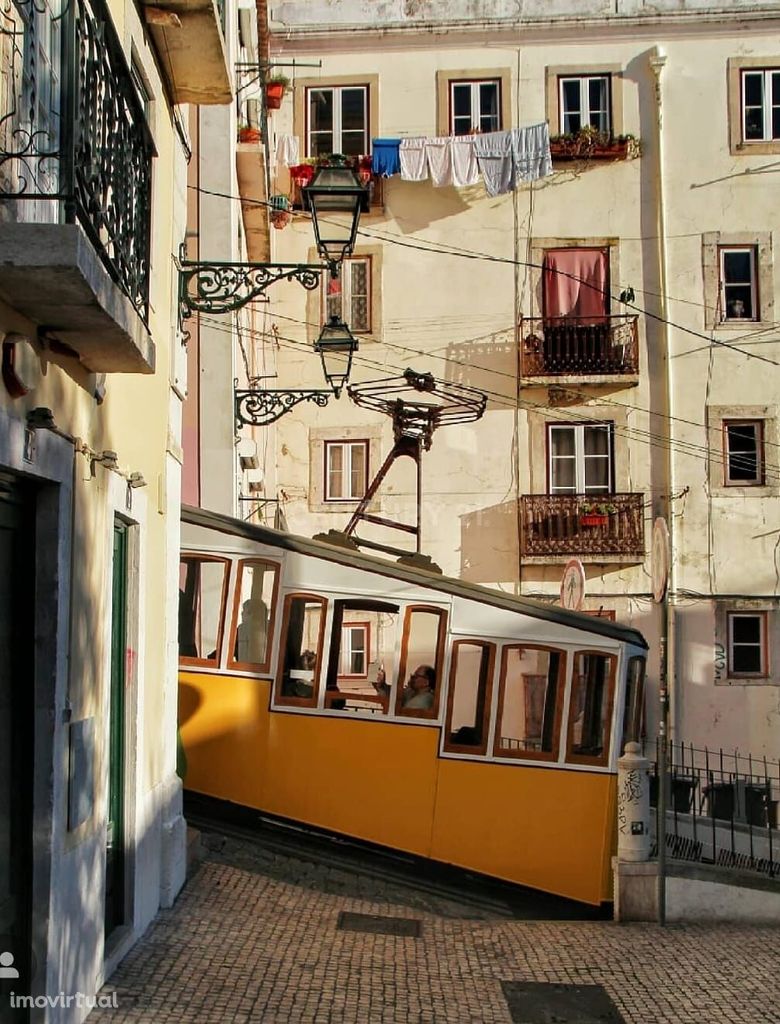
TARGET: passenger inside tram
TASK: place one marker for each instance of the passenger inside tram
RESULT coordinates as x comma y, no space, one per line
419,691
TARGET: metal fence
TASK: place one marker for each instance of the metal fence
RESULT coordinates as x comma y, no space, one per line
722,808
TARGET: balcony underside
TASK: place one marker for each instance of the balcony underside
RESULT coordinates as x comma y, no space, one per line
192,53
250,169
51,274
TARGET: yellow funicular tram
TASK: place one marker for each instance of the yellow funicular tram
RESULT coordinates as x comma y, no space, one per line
299,698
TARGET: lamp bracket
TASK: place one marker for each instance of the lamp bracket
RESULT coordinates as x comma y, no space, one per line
224,287
258,408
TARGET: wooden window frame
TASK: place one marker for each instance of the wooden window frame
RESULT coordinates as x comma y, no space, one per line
300,702
479,750
766,104
579,456
441,640
192,556
474,83
343,442
337,88
763,618
755,292
345,277
366,627
603,760
532,755
582,78
251,666
759,481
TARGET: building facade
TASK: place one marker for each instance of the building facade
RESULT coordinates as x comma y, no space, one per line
93,159
618,314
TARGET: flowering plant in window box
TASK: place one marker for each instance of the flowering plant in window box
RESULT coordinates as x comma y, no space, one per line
301,174
590,144
596,513
246,133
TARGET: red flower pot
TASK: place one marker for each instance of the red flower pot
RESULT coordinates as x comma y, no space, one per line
593,519
274,91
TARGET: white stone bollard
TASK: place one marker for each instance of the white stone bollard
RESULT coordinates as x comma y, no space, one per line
633,805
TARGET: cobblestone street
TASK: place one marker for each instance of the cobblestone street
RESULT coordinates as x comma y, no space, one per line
255,937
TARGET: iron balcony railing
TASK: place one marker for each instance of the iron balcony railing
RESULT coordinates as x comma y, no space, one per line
721,808
578,524
74,142
579,346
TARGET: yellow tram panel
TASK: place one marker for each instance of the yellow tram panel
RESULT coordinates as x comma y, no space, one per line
373,780
540,827
224,729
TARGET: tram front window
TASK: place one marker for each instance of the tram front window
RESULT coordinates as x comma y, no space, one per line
590,708
530,702
201,605
304,620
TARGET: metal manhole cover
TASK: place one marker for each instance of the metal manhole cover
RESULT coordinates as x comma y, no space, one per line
378,924
535,1002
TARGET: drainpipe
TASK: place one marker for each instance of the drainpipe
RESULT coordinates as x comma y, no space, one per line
657,64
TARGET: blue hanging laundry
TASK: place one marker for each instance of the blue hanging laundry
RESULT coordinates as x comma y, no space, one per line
384,158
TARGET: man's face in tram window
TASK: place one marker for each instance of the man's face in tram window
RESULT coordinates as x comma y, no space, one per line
418,680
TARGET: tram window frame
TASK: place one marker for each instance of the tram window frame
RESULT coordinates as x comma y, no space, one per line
198,557
287,700
597,760
333,695
633,725
553,754
484,696
235,663
403,664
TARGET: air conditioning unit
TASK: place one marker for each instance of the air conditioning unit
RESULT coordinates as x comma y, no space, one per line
247,453
255,479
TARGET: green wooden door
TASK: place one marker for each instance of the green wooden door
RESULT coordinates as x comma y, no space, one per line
115,830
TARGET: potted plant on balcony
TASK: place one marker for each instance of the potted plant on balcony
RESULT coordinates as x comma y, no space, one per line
275,88
247,133
596,513
590,144
280,214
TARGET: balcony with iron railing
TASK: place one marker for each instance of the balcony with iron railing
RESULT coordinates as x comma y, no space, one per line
75,186
602,350
609,527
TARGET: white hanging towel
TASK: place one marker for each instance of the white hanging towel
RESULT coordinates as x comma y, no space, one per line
531,152
465,169
411,155
439,155
287,151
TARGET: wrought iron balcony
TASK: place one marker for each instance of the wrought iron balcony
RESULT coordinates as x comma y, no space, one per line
75,147
579,346
576,524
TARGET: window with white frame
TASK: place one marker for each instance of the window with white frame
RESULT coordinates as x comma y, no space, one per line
743,442
353,651
761,105
580,458
584,101
348,296
738,283
346,470
475,106
337,120
747,651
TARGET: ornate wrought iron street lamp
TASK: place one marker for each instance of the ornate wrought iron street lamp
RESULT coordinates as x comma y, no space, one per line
336,346
335,197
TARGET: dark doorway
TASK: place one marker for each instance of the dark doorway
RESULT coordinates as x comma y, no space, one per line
17,705
115,908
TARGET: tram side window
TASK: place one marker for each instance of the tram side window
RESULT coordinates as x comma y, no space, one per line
422,658
634,707
301,647
361,656
201,607
530,701
253,615
468,709
590,707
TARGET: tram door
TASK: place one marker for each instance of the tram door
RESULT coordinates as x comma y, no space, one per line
17,703
115,831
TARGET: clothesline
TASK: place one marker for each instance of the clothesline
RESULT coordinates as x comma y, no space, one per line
501,159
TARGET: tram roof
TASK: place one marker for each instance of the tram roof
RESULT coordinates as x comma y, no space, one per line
435,581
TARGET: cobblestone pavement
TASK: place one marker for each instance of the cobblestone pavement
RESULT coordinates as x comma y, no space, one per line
253,937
